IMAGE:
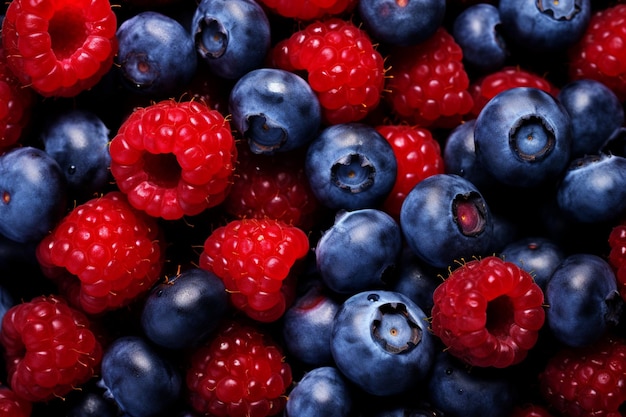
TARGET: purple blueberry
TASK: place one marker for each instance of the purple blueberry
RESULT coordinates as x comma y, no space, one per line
415,279
539,256
322,391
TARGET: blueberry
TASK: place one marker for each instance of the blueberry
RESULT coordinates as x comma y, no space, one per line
595,112
156,54
460,391
583,300
231,36
6,301
275,110
141,380
307,326
539,256
358,251
415,279
401,22
33,193
544,26
91,403
79,141
477,31
380,341
350,166
593,189
523,137
444,219
322,391
181,312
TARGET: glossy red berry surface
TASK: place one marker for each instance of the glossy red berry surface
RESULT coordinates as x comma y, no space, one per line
488,312
241,372
309,9
49,348
254,259
617,255
60,48
13,406
103,253
174,159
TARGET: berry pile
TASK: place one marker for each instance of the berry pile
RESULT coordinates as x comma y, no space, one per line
303,208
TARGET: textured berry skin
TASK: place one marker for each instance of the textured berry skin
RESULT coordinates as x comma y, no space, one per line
60,48
49,348
241,372
173,159
601,53
342,67
254,257
587,381
530,410
617,255
427,83
13,406
488,312
272,186
418,156
103,253
309,9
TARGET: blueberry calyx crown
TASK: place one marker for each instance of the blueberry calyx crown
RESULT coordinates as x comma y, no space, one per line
559,9
393,329
263,137
469,213
211,38
353,173
532,138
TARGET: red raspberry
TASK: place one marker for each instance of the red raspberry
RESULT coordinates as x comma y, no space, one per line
253,257
174,158
13,406
103,254
617,255
418,155
487,87
273,186
62,47
530,410
427,83
586,382
601,53
49,348
241,372
309,9
488,312
341,65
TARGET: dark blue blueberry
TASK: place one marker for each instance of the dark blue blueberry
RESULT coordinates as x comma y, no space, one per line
91,403
6,301
523,137
275,110
232,36
350,166
544,25
593,189
139,378
33,194
583,300
181,312
307,326
79,141
444,219
415,279
419,410
401,22
322,391
595,112
458,390
539,256
156,54
477,31
357,252
380,341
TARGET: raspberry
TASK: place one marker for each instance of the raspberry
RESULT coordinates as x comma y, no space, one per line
487,87
173,158
488,312
272,186
601,53
341,65
617,255
586,382
254,257
13,406
427,83
418,155
103,254
60,48
49,348
309,9
530,410
241,372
